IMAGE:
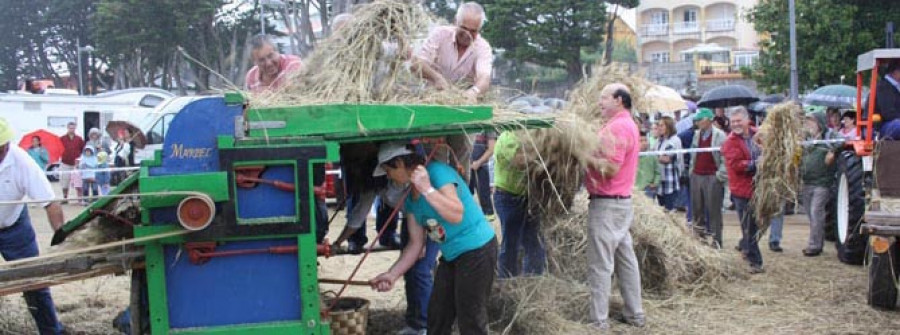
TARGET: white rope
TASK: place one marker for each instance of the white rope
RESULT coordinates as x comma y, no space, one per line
114,169
714,149
110,196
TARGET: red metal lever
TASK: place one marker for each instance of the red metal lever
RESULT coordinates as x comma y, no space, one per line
281,185
202,252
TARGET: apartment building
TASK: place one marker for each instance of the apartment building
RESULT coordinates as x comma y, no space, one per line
687,41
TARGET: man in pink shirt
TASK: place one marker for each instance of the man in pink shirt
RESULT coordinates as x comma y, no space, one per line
271,69
454,54
610,213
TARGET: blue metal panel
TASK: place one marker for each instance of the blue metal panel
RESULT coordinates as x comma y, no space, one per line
263,200
190,143
234,289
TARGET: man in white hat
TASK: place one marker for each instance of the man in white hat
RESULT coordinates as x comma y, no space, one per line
20,176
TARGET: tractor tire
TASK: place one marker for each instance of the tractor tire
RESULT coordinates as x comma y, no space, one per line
849,205
831,217
882,278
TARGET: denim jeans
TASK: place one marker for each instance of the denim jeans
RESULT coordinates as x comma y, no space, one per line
776,225
521,230
480,183
382,212
749,242
668,200
890,130
89,188
17,242
419,281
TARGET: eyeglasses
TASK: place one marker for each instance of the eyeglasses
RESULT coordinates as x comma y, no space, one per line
469,30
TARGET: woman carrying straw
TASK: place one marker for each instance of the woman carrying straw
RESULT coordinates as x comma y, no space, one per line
440,206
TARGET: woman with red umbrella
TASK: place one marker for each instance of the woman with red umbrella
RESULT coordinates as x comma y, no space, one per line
39,153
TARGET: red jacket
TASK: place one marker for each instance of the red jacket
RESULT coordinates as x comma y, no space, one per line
740,165
72,148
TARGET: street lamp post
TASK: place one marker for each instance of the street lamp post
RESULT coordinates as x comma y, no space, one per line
89,50
793,32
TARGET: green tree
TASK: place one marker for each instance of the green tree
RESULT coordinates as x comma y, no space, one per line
830,35
145,41
549,33
610,28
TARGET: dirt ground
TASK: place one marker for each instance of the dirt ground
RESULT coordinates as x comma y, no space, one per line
796,295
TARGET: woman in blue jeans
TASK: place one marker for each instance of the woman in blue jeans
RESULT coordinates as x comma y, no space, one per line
441,208
520,228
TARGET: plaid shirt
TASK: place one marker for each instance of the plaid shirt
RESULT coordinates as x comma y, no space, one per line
669,173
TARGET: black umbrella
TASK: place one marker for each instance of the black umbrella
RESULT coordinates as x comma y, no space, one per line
773,98
727,96
759,107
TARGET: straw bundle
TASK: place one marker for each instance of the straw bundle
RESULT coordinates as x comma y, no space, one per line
557,157
778,169
360,63
670,259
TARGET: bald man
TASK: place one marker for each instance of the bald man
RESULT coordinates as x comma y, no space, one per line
610,213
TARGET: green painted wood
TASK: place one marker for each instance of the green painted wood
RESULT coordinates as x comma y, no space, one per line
274,328
361,119
156,285
234,98
213,184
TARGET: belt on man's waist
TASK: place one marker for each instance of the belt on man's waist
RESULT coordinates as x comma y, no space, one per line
604,196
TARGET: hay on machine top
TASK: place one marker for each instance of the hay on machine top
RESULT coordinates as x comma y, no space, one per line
374,122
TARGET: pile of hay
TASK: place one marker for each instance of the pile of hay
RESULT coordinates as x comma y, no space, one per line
558,156
670,259
778,169
364,62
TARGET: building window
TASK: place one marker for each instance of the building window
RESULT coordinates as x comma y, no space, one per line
690,16
745,60
688,57
660,18
659,57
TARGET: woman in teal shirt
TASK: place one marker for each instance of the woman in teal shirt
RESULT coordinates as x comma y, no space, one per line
39,153
441,207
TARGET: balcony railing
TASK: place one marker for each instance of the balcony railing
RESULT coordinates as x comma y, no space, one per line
719,69
687,27
720,25
655,29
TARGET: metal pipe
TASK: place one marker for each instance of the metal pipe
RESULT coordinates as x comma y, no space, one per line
793,32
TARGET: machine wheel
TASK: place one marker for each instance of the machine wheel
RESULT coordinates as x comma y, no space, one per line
849,205
882,277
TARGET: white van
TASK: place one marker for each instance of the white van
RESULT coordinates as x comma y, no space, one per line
52,112
155,124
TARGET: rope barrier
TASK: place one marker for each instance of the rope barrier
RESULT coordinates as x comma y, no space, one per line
114,169
714,149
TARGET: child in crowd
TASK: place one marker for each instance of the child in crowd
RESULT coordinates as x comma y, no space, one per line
102,177
87,165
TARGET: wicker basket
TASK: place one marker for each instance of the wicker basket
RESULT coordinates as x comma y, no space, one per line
349,317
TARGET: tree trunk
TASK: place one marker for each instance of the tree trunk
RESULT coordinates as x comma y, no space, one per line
306,26
176,69
574,70
610,29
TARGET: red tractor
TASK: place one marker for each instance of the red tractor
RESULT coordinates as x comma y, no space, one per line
864,180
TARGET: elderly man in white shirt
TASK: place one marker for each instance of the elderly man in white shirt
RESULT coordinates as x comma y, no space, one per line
20,176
